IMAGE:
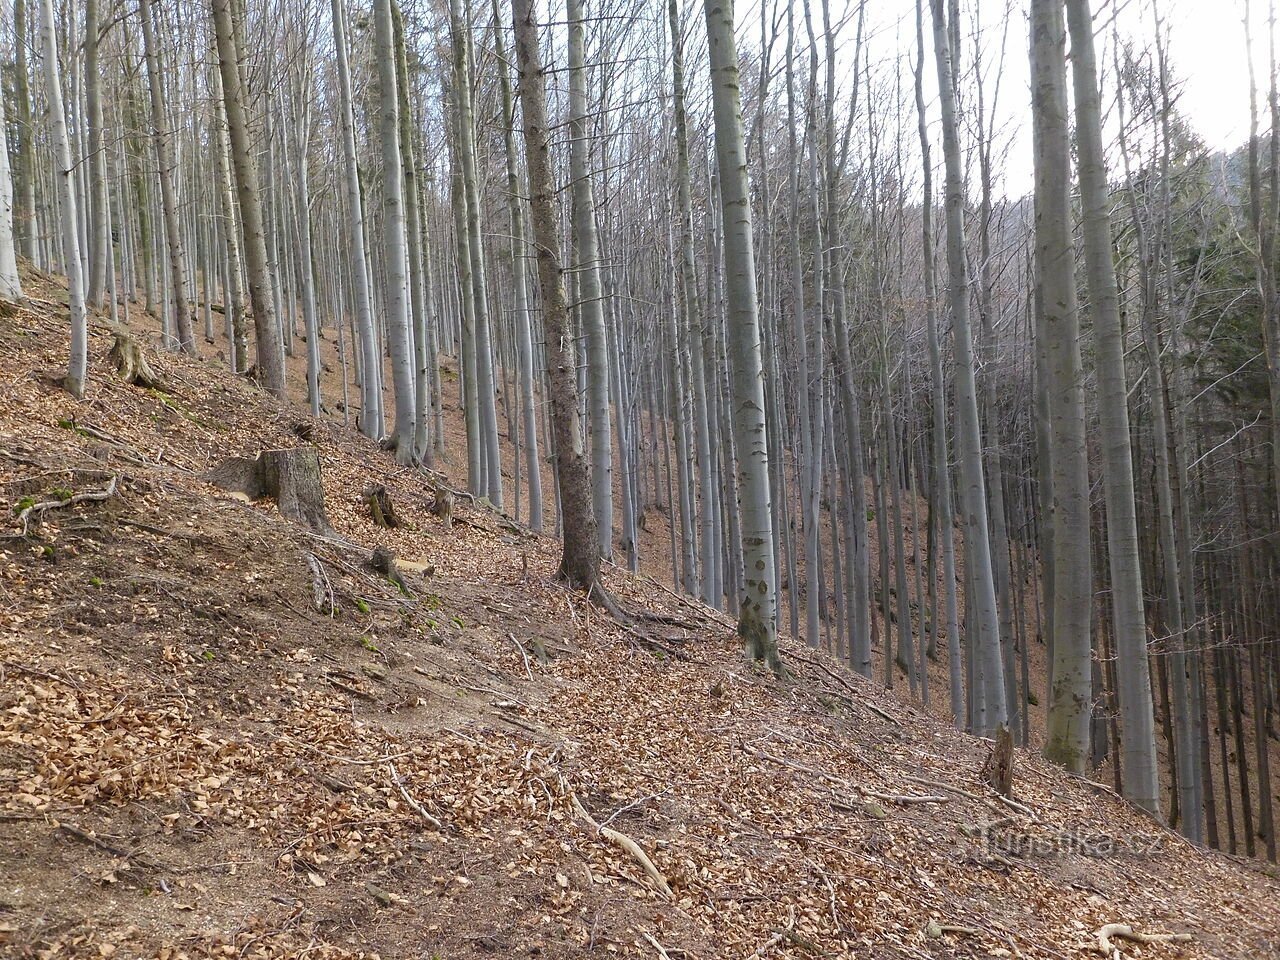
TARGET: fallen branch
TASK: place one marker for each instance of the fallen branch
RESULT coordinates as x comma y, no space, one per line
662,951
903,800
524,656
1123,931
25,516
414,805
627,844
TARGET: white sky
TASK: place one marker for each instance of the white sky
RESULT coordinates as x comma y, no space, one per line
1206,51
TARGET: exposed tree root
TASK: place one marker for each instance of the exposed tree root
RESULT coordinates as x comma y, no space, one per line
1123,931
627,844
24,517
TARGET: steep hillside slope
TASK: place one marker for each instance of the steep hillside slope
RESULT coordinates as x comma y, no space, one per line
224,735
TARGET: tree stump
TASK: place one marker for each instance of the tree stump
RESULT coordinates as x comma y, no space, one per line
383,561
998,770
381,509
443,505
289,477
131,362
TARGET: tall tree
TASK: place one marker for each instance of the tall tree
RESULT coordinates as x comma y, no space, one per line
10,285
396,298
1140,774
580,561
757,609
983,612
266,328
64,172
587,273
167,169
1071,692
371,415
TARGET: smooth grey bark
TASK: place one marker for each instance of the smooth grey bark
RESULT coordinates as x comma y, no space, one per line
10,285
371,414
587,269
77,367
968,429
483,346
98,220
395,256
1071,690
424,357
690,325
580,562
166,168
24,169
305,254
1140,772
519,283
941,501
267,334
757,612
233,293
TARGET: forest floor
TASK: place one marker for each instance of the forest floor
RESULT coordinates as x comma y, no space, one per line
223,735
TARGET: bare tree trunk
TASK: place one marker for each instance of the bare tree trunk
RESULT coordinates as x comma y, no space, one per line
587,268
757,612
484,379
580,563
519,282
98,220
166,168
1071,689
396,300
968,429
77,368
10,286
270,354
371,415
1139,762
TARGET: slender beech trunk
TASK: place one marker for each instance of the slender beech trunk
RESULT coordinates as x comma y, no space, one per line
483,346
396,298
98,220
983,612
519,283
590,295
371,415
1070,695
267,333
580,563
24,180
10,286
757,612
167,169
64,170
1139,763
